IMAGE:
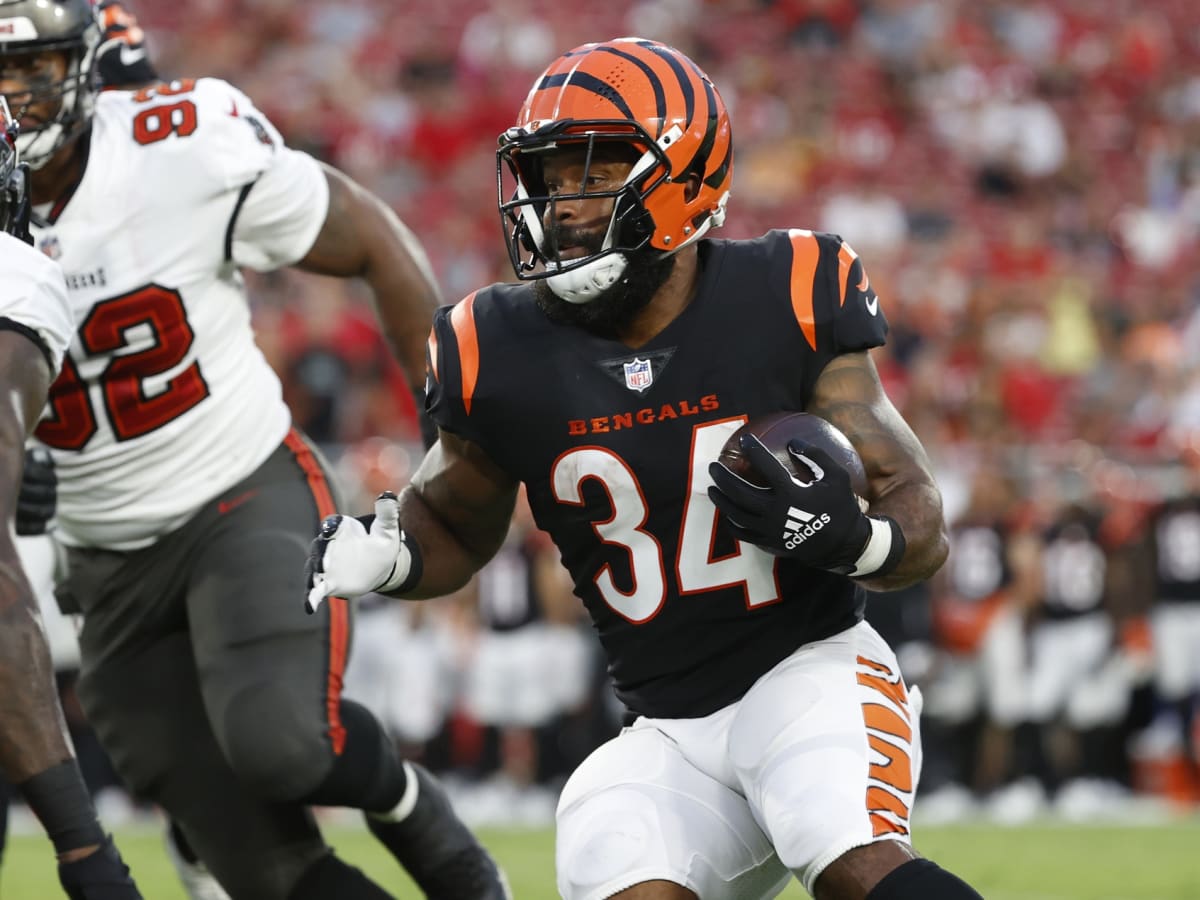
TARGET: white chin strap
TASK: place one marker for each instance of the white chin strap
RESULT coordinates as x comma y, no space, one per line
584,284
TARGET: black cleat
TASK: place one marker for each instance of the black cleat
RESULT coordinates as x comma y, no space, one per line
437,849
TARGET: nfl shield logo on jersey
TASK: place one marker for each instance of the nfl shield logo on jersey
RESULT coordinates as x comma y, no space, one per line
49,245
638,376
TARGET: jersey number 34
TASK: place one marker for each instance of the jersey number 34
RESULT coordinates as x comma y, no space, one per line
696,569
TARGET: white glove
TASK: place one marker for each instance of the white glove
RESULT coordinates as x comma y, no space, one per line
350,558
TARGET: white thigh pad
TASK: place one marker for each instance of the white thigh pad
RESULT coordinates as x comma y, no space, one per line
636,810
827,749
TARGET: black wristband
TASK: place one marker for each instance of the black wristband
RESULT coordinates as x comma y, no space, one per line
415,567
60,800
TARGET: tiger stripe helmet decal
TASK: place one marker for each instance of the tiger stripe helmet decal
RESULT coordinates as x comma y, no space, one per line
644,93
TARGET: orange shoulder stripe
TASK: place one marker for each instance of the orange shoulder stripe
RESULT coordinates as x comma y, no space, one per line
805,254
462,318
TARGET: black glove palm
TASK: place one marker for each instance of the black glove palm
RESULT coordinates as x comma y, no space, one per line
39,493
817,522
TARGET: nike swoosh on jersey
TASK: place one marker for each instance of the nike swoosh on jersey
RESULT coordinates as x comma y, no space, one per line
873,305
132,55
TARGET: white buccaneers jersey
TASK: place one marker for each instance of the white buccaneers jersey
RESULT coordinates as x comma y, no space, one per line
33,298
164,400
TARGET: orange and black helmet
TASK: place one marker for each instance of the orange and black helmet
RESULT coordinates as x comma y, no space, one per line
647,95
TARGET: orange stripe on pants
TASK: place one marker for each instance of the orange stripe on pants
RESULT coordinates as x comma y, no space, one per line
339,613
889,799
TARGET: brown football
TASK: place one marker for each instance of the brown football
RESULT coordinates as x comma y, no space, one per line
777,429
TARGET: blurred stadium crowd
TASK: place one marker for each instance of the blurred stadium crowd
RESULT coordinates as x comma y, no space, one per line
1022,179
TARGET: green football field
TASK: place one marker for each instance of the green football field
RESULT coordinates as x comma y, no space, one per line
1046,862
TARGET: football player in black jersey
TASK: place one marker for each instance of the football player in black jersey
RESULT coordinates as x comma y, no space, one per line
1077,686
771,733
34,750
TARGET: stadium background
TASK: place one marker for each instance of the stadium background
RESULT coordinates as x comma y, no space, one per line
1022,178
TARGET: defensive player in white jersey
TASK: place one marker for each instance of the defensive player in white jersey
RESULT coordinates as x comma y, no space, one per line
35,328
186,498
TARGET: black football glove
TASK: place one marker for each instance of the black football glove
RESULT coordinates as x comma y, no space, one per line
121,58
101,876
39,493
818,523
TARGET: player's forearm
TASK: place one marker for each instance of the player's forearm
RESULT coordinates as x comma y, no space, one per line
448,559
363,238
902,487
32,732
917,508
406,293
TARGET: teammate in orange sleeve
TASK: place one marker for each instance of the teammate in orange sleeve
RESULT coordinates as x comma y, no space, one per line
185,497
771,735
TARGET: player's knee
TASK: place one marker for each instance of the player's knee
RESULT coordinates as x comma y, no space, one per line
808,834
605,831
617,835
637,810
271,745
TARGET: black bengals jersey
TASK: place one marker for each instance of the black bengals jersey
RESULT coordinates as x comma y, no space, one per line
1175,532
1074,566
614,444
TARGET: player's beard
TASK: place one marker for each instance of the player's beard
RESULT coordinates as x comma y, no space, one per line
614,308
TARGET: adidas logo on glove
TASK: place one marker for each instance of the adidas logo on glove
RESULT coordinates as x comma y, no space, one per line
801,526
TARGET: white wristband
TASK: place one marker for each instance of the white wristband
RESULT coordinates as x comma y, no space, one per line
879,547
